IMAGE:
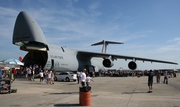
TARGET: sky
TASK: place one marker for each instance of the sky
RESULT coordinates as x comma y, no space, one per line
148,28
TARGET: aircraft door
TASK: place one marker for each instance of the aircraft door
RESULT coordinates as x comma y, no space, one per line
52,64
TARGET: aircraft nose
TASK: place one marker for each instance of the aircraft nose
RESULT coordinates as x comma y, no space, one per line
26,29
27,32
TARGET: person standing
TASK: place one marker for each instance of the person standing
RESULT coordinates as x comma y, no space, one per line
49,78
41,74
158,76
26,72
32,73
78,76
83,77
46,75
14,71
165,78
29,73
93,74
138,74
150,81
52,77
36,69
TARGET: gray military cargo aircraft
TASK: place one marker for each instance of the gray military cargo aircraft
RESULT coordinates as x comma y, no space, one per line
29,36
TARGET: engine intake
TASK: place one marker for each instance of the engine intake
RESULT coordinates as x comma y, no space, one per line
132,65
108,63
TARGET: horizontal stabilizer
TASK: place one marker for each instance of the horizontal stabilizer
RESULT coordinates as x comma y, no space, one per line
105,43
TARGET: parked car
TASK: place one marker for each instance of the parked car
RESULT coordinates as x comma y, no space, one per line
65,76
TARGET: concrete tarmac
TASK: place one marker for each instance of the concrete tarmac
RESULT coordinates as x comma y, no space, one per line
106,92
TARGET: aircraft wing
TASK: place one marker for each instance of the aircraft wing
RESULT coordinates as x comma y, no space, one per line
86,54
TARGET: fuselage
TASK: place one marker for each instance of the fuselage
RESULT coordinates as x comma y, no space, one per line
59,59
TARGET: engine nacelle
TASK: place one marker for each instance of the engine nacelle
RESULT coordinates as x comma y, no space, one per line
108,63
132,65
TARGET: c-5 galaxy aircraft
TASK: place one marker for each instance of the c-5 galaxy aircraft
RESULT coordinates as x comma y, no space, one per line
29,36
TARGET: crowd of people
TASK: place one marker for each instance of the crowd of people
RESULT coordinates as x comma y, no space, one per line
46,76
126,73
83,77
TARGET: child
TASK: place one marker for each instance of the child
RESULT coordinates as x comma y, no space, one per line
88,80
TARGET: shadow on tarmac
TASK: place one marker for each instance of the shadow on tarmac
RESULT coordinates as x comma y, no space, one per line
34,83
133,92
65,105
64,93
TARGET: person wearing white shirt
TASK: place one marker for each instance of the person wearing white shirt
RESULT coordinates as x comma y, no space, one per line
83,78
49,77
41,74
88,80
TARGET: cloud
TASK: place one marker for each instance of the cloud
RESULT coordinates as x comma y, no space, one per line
175,40
7,16
172,45
169,48
94,6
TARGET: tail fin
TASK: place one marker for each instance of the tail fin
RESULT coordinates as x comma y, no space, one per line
105,43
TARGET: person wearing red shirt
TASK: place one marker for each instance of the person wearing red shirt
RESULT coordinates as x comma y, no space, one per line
14,72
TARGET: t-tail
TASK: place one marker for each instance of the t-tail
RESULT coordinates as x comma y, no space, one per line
105,43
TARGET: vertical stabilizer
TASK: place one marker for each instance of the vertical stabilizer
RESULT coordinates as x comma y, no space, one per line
105,43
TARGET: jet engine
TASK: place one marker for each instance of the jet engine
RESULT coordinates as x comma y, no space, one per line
132,65
108,63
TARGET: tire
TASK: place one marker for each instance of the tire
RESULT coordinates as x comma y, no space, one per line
55,78
74,80
67,79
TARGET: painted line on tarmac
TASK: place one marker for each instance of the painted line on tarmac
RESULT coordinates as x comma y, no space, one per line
132,93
